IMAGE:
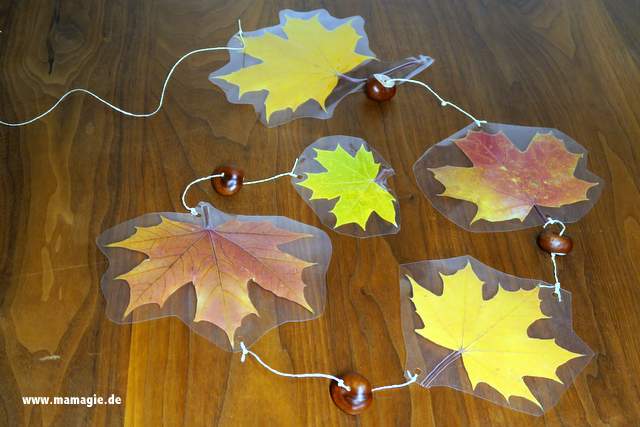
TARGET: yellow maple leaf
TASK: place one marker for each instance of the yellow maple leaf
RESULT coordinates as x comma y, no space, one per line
353,181
305,65
490,335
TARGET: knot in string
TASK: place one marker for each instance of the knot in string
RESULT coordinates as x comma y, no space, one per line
240,33
556,289
412,379
245,351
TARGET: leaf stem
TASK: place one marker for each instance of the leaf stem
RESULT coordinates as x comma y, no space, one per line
440,367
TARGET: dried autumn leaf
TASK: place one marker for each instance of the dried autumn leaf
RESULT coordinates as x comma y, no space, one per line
219,261
356,182
506,183
304,65
490,336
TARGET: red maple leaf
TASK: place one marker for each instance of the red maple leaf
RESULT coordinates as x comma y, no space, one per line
219,262
506,183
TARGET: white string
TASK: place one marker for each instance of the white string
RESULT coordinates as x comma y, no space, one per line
412,379
240,34
389,82
555,221
280,175
120,110
556,286
194,211
246,351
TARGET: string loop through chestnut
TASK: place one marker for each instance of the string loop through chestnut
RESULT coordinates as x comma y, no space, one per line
193,210
246,352
220,173
389,82
352,393
556,244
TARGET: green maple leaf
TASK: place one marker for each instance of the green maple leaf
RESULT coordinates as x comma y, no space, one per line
352,180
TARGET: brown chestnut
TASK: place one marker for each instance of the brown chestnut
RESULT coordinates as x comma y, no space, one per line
552,242
230,182
377,91
357,399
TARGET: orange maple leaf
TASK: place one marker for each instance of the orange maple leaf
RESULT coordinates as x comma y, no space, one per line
506,183
219,262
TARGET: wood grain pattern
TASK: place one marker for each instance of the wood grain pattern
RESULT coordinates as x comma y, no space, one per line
569,64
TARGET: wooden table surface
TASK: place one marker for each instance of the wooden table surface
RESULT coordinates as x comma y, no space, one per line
572,65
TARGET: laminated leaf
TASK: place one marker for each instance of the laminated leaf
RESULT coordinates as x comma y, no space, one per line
219,257
488,333
533,173
304,65
507,183
299,67
345,172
